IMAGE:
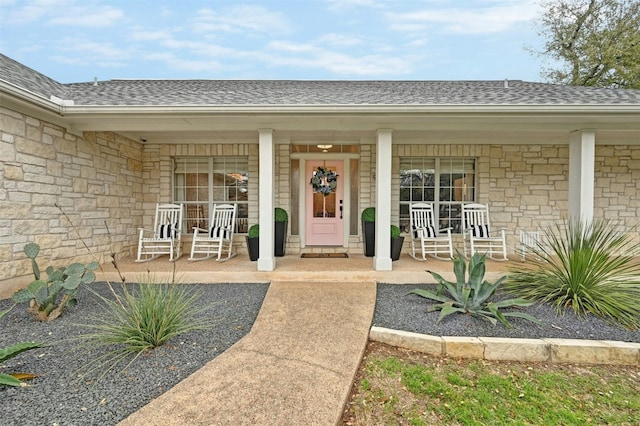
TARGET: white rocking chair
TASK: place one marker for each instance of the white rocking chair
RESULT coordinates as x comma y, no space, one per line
165,236
220,233
478,235
426,236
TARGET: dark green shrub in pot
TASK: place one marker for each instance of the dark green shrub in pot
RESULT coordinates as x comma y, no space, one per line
280,231
253,242
368,218
396,242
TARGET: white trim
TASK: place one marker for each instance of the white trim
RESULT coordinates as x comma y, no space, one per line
382,257
582,174
266,261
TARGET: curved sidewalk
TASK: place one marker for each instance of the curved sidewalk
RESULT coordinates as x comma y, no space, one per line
296,366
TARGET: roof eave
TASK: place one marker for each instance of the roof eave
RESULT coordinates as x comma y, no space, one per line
352,109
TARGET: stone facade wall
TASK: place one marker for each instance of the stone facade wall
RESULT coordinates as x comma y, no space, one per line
62,191
617,191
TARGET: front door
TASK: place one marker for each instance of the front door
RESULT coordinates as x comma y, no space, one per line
324,203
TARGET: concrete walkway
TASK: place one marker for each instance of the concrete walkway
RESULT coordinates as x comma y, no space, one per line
295,367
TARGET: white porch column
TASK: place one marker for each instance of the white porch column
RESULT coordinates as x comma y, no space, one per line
582,152
266,261
382,258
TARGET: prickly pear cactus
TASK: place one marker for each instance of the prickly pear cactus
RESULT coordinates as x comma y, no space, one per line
32,250
48,297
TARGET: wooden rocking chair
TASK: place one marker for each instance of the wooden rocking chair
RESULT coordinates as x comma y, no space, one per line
165,237
212,242
478,236
425,235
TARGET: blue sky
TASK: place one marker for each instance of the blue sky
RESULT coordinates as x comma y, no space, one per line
77,40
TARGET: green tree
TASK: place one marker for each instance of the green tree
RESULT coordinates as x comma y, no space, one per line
592,42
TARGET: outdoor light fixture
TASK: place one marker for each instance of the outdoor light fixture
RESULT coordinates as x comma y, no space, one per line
324,148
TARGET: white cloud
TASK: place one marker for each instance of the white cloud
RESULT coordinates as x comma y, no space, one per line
340,5
90,50
240,19
339,40
89,17
74,13
503,16
308,55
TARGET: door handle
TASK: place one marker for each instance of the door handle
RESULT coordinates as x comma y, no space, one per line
340,209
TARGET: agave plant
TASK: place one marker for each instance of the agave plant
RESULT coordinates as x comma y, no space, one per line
471,295
586,266
15,379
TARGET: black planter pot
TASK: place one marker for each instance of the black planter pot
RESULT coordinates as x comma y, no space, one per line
369,234
253,245
396,247
279,238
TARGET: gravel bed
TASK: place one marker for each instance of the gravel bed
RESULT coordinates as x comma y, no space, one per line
398,310
58,396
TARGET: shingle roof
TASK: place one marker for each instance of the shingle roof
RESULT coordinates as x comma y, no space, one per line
302,92
24,77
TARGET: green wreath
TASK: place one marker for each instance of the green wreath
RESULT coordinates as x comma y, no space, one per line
324,181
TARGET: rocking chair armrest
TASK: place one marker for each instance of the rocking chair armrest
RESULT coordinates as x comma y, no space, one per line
144,230
197,230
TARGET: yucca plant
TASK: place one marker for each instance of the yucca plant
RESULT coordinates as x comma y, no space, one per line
140,320
470,295
588,267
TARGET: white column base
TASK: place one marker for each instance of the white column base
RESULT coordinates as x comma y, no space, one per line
382,264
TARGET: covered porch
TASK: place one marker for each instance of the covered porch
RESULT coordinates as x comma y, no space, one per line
291,267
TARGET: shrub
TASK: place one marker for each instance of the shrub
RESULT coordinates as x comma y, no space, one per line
142,319
588,267
14,379
470,296
368,214
395,231
254,231
281,215
48,298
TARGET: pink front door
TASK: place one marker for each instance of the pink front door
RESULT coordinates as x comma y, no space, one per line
325,211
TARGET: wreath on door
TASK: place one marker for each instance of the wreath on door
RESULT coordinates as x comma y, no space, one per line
324,181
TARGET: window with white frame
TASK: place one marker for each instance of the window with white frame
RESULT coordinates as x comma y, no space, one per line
201,182
447,183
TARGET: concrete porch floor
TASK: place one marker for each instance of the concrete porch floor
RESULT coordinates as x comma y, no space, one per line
356,268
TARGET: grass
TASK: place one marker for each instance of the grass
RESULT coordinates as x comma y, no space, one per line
400,387
139,320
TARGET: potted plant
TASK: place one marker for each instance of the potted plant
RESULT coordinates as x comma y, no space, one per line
396,242
253,242
368,219
280,231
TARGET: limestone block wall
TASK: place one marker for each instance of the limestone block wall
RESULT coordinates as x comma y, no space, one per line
617,190
63,191
526,187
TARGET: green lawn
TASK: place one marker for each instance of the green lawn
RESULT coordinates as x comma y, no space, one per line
400,387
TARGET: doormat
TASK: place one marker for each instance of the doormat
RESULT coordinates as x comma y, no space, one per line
324,255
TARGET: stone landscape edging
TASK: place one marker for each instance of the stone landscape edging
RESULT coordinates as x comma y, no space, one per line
566,351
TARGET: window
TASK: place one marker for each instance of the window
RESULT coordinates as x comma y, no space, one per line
199,183
444,182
